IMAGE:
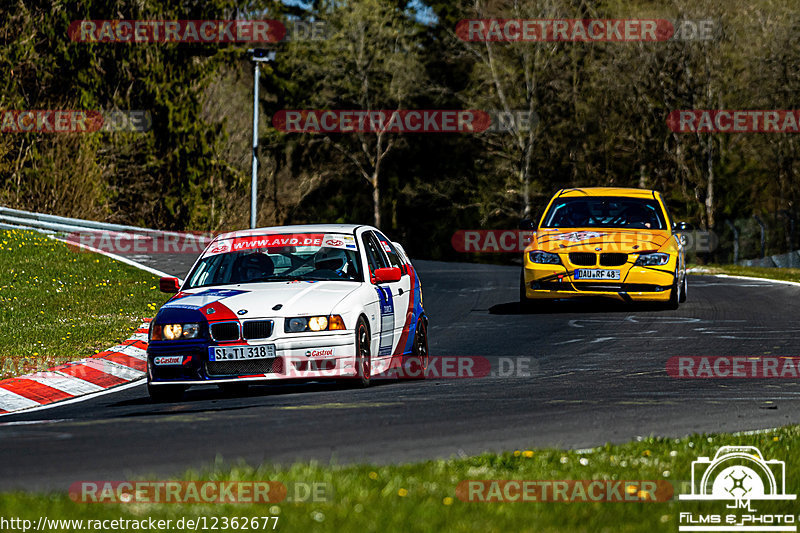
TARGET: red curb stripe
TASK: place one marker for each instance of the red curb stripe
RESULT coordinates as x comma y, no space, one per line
126,360
44,394
92,375
34,390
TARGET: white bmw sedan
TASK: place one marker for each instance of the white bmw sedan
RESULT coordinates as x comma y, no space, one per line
293,302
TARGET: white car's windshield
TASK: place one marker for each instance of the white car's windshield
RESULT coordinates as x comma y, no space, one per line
267,258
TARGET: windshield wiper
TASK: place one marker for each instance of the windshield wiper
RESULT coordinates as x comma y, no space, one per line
279,278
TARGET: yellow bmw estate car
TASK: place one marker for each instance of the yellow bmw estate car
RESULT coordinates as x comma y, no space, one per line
609,242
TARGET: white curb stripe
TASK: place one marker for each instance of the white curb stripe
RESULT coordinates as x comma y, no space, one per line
132,351
10,401
77,399
139,337
114,369
65,383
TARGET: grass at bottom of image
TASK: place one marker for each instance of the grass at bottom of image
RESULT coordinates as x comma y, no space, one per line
783,274
61,303
423,496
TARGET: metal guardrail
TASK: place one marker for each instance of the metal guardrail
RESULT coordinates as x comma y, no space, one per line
53,224
790,260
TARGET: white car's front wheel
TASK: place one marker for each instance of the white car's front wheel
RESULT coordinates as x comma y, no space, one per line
165,393
363,356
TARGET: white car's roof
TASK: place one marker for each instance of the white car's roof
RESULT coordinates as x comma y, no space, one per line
300,228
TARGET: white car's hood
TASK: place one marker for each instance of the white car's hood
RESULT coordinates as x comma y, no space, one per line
296,298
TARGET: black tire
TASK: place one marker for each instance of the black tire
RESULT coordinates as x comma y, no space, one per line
165,393
420,348
674,294
233,389
684,289
526,305
363,355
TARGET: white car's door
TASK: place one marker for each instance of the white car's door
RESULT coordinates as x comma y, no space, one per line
401,290
392,297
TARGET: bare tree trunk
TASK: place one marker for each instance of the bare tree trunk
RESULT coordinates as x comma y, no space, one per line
709,154
710,183
376,201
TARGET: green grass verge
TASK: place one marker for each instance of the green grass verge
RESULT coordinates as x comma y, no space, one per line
61,304
784,274
422,497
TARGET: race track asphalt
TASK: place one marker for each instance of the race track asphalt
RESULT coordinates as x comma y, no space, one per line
596,374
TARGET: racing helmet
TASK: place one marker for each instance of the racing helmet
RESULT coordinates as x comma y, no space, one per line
331,259
578,215
253,266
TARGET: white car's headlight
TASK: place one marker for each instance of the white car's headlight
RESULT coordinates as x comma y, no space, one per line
652,259
173,332
545,258
313,323
318,323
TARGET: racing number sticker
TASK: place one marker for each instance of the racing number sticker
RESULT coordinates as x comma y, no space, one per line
387,321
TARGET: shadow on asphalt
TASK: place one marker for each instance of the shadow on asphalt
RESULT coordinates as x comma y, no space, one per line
574,306
212,393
